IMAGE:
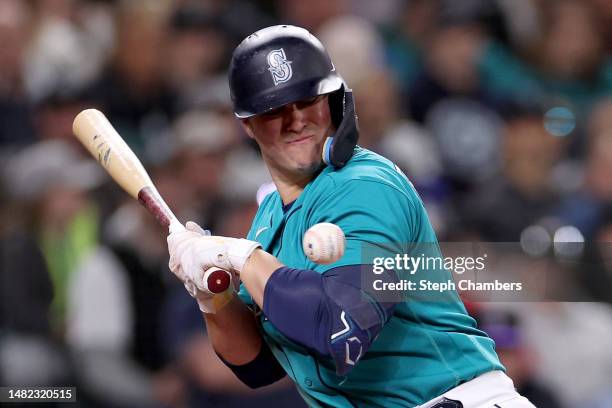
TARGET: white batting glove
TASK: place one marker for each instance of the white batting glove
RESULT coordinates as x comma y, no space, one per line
208,302
195,253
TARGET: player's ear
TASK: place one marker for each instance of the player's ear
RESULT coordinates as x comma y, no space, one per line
247,127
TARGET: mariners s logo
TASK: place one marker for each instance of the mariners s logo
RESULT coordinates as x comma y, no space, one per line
280,68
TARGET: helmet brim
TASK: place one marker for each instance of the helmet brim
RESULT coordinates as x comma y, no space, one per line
294,92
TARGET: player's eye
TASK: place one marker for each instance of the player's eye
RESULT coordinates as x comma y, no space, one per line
299,105
273,112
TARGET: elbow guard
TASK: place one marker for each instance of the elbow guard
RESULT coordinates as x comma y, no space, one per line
325,313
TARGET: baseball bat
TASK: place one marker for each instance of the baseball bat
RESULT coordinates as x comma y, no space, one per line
99,137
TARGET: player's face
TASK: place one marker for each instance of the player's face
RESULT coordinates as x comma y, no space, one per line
291,137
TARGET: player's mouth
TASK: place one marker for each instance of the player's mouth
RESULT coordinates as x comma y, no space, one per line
300,140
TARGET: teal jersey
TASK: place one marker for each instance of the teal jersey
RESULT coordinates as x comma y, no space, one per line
425,348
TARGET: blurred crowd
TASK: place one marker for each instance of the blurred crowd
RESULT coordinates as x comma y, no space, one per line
499,111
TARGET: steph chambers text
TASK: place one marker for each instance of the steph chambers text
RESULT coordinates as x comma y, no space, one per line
449,285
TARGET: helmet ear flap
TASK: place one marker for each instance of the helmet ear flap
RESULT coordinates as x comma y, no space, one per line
336,106
339,148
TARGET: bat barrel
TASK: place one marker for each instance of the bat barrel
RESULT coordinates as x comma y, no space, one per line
100,138
97,134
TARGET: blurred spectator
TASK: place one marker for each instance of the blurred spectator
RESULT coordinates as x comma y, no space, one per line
91,310
380,13
54,114
468,137
566,64
521,22
205,380
570,340
381,127
516,356
244,173
19,312
131,90
238,17
138,243
450,60
355,64
15,114
466,53
406,39
236,218
434,47
70,45
197,46
197,163
524,194
595,274
378,110
14,22
28,352
572,46
603,11
585,208
362,67
310,15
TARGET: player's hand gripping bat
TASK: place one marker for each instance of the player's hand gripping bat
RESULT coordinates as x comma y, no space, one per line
97,134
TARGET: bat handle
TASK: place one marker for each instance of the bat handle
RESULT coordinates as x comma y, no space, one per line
175,225
215,280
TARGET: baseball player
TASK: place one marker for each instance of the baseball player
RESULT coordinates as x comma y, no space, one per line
313,322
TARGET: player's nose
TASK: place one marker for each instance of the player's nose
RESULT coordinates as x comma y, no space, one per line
294,118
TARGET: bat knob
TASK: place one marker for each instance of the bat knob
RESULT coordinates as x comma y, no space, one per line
217,280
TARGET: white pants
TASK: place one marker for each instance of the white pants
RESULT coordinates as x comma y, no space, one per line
490,390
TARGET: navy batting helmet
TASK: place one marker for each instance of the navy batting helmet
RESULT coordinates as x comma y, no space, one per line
283,64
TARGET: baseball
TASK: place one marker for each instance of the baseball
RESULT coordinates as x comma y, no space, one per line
324,243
